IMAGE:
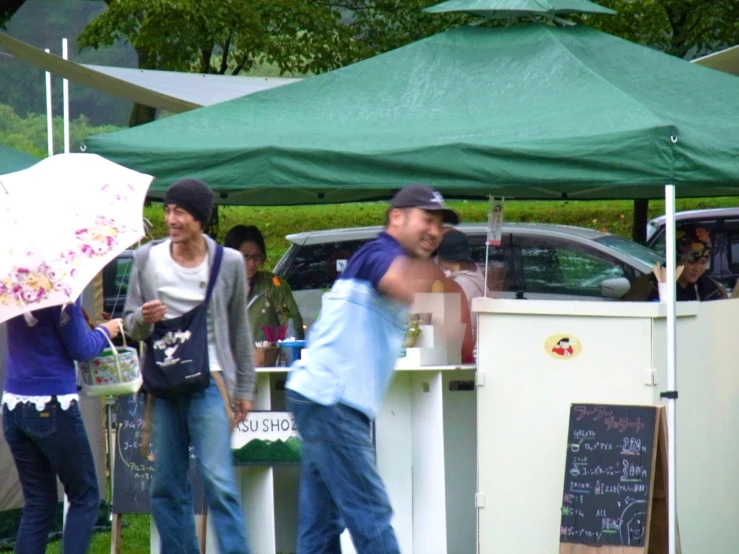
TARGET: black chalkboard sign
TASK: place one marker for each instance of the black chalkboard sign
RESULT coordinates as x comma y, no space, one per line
133,472
611,455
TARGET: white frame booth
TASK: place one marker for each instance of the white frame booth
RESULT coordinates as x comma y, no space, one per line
425,439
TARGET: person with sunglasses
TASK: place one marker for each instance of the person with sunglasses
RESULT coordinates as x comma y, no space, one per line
693,246
270,301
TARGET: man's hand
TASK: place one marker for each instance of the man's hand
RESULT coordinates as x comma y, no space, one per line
241,410
153,311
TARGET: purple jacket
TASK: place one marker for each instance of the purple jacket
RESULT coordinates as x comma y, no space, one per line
41,357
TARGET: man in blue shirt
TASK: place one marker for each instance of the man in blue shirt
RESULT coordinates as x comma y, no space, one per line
336,393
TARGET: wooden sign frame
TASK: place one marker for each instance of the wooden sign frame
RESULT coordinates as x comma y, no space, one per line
656,539
116,535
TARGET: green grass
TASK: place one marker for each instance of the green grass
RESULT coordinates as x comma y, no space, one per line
276,222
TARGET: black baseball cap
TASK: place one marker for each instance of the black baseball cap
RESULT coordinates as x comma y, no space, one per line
454,246
424,198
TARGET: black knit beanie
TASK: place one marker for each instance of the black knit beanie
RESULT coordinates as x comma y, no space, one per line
192,195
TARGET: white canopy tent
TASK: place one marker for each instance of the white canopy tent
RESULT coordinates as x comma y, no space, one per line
197,88
172,91
725,60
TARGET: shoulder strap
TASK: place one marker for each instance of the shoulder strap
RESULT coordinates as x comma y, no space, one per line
214,270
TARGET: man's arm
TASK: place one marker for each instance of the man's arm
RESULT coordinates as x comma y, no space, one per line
406,276
242,341
137,327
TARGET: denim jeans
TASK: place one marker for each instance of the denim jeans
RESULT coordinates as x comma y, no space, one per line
199,420
339,483
46,445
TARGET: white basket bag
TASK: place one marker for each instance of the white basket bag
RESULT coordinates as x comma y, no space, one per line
114,372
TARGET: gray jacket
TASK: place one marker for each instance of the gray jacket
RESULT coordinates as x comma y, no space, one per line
227,309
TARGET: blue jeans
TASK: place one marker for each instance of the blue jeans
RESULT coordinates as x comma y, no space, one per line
46,445
339,483
199,420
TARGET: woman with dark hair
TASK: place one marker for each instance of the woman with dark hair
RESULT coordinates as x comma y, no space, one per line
270,300
43,426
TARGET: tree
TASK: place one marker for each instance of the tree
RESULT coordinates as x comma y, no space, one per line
682,28
213,36
297,36
8,9
382,25
28,134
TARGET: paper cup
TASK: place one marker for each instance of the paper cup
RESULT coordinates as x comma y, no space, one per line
662,287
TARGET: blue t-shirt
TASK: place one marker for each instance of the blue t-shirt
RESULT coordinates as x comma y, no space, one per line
355,342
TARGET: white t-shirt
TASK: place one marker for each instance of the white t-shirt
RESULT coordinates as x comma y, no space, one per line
183,288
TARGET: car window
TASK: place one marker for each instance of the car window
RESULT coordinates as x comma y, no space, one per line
316,266
122,275
633,249
658,241
732,233
553,266
500,274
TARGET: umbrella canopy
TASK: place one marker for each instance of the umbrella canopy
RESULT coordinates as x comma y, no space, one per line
63,220
525,111
14,160
493,9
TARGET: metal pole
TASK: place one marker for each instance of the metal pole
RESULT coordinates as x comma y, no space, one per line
109,403
671,365
65,90
49,120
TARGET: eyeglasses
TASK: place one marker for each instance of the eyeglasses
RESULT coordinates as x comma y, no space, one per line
695,257
254,257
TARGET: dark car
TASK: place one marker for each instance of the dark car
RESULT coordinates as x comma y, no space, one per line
115,283
723,224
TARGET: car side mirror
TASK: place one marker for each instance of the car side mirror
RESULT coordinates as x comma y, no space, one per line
615,288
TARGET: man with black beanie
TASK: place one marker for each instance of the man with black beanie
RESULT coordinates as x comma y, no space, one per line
194,196
169,280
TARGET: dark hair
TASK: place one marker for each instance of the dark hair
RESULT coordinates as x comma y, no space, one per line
238,235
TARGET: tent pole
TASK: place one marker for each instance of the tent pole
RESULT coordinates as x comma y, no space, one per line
671,394
65,89
49,120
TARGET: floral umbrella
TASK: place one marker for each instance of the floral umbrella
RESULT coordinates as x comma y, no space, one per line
61,221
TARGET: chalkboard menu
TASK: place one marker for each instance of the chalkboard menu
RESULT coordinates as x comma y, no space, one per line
608,474
133,472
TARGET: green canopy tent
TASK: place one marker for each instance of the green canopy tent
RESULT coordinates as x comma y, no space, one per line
525,111
12,160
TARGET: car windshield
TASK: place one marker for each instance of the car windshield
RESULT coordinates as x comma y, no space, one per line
631,248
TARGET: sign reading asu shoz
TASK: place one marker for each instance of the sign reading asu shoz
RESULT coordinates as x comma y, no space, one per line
609,491
266,438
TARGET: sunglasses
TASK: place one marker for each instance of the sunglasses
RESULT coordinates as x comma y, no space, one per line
695,257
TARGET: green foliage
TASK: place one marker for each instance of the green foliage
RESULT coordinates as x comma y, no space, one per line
277,222
43,23
8,9
683,28
382,25
213,36
28,134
